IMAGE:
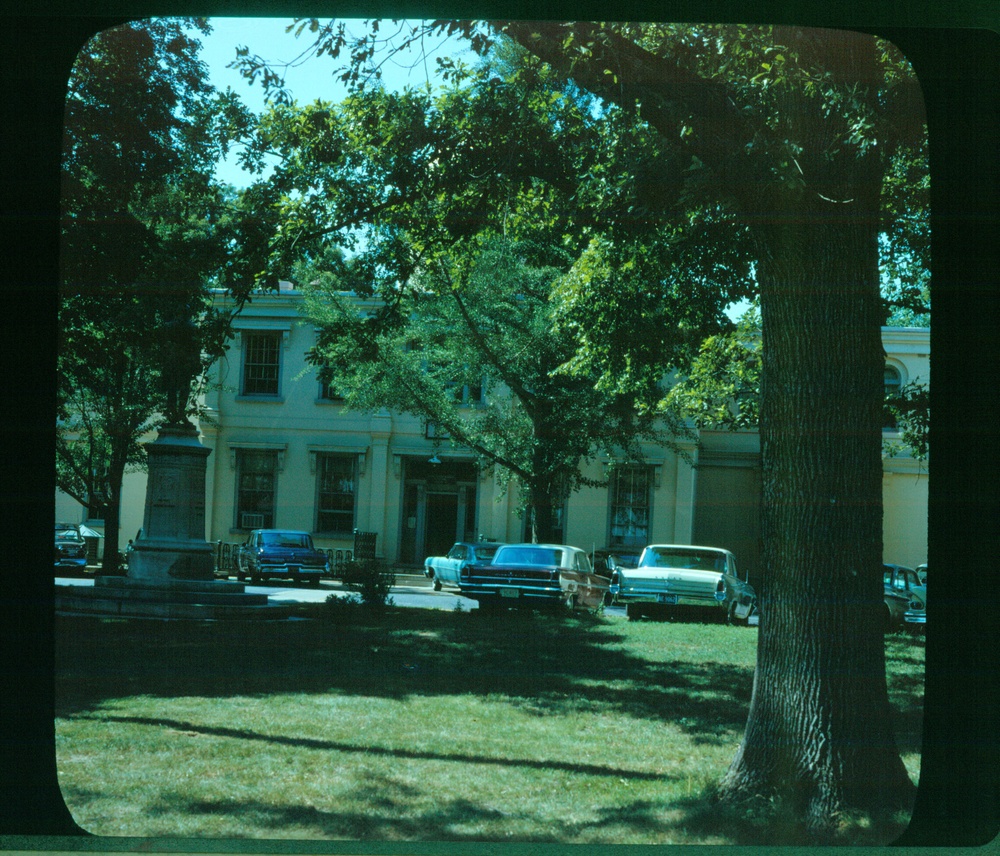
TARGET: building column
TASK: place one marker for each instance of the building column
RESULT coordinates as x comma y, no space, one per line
684,498
375,515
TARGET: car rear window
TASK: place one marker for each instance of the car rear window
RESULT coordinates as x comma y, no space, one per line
527,556
286,539
686,559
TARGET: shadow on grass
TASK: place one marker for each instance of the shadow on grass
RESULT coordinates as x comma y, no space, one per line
370,751
544,664
384,819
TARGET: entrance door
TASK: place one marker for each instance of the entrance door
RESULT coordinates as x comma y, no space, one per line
441,523
727,512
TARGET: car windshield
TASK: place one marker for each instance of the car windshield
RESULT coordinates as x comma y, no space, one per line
286,539
70,534
528,556
697,560
486,552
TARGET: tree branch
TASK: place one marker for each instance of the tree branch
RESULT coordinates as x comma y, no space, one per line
623,73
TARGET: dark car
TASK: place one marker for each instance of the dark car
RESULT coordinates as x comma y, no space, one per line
611,558
536,575
71,548
284,553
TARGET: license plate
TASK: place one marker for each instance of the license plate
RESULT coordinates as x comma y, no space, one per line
666,598
510,593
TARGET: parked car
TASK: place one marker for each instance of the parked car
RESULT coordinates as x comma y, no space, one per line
445,570
536,575
281,553
678,576
904,595
71,548
611,558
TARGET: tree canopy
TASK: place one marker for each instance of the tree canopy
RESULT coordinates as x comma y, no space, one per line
485,219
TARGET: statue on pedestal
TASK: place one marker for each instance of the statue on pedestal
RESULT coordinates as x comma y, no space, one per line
173,545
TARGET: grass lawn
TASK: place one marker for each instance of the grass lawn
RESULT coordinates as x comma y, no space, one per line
423,726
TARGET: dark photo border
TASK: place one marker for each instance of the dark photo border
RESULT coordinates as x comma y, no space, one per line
955,49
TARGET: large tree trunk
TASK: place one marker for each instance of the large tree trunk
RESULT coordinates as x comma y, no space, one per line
820,732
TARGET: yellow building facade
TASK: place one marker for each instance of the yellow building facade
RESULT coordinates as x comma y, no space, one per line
287,454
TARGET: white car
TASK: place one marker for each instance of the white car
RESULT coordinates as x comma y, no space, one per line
446,570
905,595
684,576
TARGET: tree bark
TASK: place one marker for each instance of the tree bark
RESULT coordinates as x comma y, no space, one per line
111,564
819,732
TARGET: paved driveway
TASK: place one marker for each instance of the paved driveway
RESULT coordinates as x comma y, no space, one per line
410,591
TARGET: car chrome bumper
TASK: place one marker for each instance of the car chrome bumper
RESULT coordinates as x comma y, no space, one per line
511,592
667,598
291,570
915,619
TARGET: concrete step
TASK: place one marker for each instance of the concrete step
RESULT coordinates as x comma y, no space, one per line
220,597
128,608
197,599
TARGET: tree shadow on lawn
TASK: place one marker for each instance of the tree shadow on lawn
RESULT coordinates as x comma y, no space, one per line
386,820
543,663
368,751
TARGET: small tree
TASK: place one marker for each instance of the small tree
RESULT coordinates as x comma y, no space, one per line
481,247
480,358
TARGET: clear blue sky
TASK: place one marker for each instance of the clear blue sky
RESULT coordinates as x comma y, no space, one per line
312,79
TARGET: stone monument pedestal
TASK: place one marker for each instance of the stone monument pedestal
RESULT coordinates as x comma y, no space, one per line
171,570
172,545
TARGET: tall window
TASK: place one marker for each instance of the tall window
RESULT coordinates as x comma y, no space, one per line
335,501
893,384
256,477
328,392
630,495
261,357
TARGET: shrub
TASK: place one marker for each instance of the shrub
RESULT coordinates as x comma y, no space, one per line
372,581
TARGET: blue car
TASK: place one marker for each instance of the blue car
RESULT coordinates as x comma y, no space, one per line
284,553
71,549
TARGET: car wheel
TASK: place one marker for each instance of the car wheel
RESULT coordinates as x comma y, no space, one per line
733,619
437,584
314,581
888,620
633,611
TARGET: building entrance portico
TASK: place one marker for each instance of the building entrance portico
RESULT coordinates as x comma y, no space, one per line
439,507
